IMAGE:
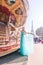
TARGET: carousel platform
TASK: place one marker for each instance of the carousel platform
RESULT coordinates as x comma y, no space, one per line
7,49
13,59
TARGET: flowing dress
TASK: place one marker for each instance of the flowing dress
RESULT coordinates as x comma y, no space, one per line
26,44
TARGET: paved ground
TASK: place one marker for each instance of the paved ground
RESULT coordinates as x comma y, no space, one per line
37,57
13,59
16,59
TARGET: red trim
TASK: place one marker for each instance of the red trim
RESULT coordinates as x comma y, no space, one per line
8,47
5,10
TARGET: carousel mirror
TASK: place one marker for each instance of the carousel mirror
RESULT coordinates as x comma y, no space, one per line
19,11
10,2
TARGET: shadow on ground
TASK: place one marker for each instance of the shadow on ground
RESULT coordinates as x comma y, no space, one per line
14,57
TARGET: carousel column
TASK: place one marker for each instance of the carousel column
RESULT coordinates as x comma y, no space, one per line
7,34
8,28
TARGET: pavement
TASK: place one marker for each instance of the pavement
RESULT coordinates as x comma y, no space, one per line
16,59
37,57
13,59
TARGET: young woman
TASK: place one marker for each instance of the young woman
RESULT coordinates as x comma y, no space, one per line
26,43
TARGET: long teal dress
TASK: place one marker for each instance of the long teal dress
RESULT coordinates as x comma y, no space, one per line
26,44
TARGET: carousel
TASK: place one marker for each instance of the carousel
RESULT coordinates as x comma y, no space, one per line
12,18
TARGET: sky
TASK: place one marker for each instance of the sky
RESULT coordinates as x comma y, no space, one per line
35,14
